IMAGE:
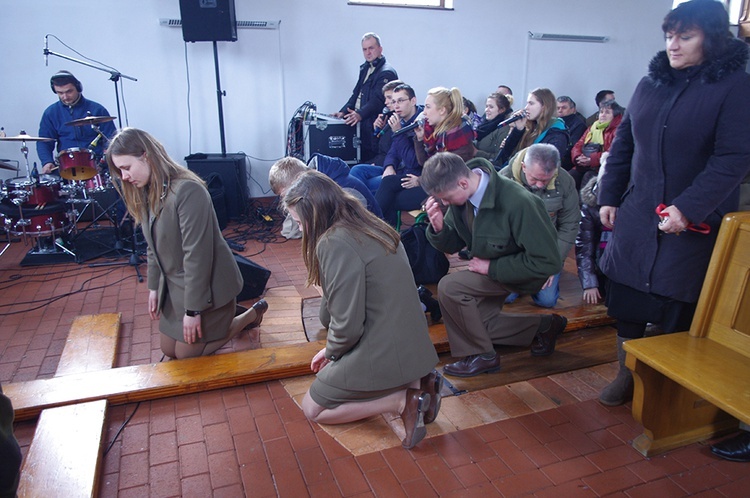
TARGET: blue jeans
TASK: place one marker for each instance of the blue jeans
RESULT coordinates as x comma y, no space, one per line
369,174
546,298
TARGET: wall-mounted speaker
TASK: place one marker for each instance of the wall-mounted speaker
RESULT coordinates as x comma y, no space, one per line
208,20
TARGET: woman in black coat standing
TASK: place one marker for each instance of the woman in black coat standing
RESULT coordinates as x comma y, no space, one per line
683,144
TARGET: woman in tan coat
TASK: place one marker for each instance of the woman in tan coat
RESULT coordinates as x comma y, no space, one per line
193,279
378,356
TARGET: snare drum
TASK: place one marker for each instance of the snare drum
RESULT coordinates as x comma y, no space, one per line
77,164
30,193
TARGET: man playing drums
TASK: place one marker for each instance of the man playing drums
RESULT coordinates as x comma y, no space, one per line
82,144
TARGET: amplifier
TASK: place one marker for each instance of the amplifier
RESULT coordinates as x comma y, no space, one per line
332,139
233,171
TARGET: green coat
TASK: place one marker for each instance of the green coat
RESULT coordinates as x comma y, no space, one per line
377,331
189,262
511,229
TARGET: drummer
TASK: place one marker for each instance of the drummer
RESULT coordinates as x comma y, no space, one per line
71,106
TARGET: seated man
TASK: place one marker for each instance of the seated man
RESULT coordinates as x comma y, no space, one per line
399,186
513,248
576,123
601,96
384,126
538,169
286,170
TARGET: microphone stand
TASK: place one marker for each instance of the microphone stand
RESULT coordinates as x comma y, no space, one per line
114,76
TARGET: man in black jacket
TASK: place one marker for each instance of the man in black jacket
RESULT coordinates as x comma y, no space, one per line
367,98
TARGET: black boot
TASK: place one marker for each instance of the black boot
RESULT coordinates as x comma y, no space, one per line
621,389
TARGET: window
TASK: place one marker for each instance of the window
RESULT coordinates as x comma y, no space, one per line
425,4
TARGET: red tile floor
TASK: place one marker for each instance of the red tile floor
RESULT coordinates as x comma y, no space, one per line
255,441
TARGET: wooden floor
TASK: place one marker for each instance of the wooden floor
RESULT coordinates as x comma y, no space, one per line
533,428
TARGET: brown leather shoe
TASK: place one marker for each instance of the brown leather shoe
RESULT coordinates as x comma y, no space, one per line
544,342
417,403
472,365
260,309
432,383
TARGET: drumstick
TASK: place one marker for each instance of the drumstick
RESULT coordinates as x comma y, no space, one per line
53,169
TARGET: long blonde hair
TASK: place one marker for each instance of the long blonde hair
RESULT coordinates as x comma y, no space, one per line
163,169
544,121
321,205
453,103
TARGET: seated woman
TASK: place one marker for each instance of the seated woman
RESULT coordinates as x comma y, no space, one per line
378,356
586,154
489,137
470,112
193,278
444,130
540,124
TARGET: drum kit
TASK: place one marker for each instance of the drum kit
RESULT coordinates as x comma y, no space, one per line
44,207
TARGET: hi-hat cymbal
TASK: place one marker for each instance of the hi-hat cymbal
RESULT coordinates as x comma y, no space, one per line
7,166
90,120
23,137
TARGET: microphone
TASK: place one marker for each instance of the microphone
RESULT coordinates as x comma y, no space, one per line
387,113
46,51
512,119
416,124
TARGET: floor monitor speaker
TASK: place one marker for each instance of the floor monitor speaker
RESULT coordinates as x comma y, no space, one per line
255,277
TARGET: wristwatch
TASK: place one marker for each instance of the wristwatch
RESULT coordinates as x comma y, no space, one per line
192,313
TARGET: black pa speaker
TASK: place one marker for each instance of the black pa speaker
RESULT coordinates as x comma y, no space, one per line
255,277
233,171
208,20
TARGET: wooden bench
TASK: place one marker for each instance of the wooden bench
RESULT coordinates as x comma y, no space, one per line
693,385
65,454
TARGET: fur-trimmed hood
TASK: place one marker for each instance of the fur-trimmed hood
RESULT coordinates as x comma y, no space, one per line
734,59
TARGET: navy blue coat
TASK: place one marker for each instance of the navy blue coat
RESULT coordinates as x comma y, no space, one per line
683,142
373,101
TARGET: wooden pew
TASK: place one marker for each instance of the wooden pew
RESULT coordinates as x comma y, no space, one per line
693,385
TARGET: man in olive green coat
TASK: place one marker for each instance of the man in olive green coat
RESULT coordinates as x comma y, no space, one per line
513,248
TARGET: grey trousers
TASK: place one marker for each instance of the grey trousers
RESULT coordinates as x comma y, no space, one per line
472,311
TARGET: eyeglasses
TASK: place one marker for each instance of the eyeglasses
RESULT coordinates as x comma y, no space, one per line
399,101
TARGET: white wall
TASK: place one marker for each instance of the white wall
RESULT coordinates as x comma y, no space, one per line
314,56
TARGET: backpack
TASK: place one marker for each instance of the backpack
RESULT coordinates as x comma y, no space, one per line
427,263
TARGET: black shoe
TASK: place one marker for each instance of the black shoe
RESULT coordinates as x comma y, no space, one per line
544,342
735,449
431,304
472,366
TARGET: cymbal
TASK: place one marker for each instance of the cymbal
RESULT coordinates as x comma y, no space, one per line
7,166
90,120
26,138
